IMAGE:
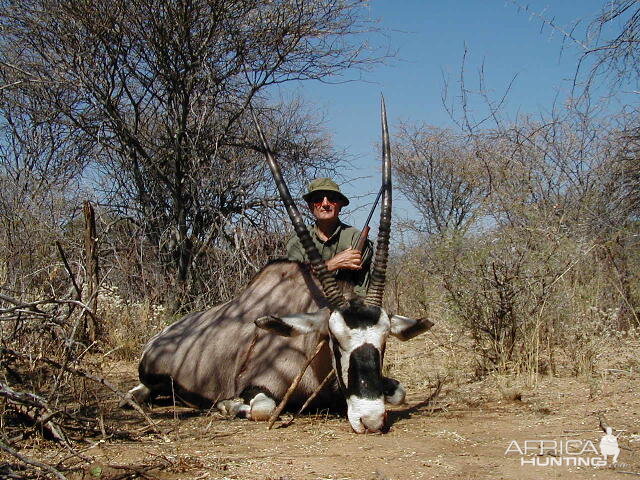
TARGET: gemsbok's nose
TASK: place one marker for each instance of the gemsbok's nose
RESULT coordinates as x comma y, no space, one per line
374,423
367,416
369,420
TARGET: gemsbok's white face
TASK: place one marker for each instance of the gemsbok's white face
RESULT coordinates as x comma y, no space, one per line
358,334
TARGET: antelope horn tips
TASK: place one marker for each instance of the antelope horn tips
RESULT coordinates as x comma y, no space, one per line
378,273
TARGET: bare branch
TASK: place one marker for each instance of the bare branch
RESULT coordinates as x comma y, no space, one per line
29,461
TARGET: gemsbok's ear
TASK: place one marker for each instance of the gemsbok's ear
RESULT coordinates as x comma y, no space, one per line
295,324
406,328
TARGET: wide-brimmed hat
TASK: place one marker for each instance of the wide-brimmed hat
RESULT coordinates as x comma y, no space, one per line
324,185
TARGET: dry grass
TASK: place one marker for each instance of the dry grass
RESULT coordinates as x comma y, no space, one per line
130,324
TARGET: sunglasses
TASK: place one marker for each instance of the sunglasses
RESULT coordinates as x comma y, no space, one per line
331,197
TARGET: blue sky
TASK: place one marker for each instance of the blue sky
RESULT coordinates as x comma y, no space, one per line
430,39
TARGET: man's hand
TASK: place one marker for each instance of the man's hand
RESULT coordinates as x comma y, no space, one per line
350,259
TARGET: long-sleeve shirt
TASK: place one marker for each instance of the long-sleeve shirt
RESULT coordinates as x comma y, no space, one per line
344,237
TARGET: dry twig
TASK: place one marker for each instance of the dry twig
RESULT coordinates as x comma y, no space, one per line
315,393
35,408
294,385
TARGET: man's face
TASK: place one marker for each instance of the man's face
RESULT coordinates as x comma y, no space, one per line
325,205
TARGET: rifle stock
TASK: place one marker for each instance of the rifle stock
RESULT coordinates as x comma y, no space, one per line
362,240
364,234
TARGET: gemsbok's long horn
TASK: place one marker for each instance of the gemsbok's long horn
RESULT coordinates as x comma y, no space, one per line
327,280
379,270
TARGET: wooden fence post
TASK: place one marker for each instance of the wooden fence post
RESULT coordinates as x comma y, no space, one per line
92,328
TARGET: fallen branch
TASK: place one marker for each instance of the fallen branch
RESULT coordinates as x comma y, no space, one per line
29,461
315,393
293,386
10,299
603,423
33,306
26,403
245,362
132,472
102,381
583,430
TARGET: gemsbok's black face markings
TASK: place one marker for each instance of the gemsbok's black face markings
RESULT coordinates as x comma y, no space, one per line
389,386
337,362
360,316
365,372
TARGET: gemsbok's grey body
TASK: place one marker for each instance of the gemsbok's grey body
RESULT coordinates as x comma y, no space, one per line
220,354
243,355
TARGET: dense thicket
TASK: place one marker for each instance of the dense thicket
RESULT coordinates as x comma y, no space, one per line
528,235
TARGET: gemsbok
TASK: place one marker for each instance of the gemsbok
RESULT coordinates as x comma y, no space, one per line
243,355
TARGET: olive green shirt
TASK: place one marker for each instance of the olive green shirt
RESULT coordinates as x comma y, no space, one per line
344,237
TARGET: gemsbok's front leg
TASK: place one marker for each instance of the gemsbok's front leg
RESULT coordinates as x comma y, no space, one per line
256,404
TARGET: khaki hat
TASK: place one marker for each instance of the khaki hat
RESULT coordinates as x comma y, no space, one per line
324,185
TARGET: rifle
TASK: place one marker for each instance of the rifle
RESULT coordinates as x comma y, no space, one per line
362,239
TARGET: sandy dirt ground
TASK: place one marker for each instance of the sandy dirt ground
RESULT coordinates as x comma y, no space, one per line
467,431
